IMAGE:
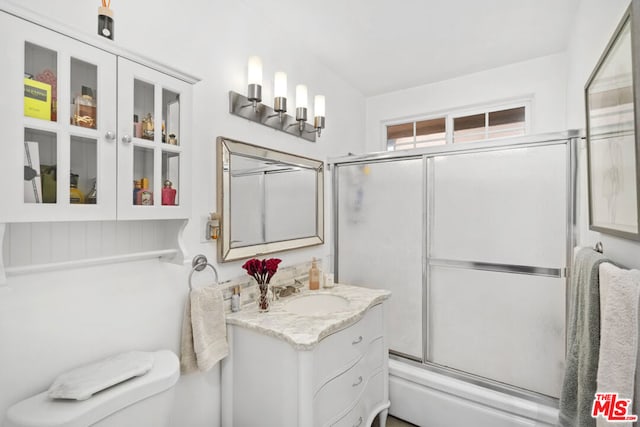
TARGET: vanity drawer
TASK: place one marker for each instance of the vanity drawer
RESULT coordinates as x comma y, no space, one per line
340,350
362,411
341,392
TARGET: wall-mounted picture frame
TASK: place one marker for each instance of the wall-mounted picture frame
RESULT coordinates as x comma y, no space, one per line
613,151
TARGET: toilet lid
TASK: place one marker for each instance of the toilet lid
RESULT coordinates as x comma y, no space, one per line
41,411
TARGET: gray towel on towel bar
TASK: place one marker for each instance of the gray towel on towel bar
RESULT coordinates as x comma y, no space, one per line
581,367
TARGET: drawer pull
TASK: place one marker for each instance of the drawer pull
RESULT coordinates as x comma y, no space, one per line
357,340
358,423
358,381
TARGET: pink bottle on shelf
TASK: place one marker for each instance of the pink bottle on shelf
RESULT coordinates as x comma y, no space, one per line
168,194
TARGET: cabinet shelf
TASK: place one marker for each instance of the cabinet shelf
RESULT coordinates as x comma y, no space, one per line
43,125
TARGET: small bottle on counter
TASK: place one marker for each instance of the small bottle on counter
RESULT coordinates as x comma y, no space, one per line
235,299
314,276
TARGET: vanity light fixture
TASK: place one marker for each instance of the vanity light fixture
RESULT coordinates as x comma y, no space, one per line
265,115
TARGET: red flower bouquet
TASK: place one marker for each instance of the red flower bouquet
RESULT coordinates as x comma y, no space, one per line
262,271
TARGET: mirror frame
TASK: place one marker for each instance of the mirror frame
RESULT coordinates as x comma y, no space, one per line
227,146
631,18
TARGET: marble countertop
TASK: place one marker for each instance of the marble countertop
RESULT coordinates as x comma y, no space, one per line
304,332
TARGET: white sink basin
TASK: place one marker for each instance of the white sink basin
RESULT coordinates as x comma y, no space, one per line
316,304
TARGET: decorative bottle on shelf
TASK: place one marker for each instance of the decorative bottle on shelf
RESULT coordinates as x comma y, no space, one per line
92,197
84,113
314,276
136,190
147,127
145,196
75,195
168,194
137,127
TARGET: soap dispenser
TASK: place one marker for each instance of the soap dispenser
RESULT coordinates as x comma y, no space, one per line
314,276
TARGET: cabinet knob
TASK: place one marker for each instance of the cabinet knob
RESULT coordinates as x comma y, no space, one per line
110,136
357,424
357,340
358,381
127,139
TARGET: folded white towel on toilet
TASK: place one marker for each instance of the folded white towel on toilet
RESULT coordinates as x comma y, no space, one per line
81,383
619,295
204,330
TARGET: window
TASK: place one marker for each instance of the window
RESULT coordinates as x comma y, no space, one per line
455,127
492,124
420,134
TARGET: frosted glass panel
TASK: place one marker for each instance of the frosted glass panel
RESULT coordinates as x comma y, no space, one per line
507,327
380,241
505,207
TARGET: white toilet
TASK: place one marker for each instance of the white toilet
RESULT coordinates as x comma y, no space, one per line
144,401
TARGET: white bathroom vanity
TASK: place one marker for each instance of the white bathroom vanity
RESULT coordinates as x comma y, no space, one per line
326,367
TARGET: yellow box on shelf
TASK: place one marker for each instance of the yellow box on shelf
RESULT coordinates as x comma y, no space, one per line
37,99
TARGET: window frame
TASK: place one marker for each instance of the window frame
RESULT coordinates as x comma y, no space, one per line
450,115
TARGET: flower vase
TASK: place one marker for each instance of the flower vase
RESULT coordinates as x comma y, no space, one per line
263,298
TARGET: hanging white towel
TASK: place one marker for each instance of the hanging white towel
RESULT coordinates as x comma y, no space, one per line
204,330
619,293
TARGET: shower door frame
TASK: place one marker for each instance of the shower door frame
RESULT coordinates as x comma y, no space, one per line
569,138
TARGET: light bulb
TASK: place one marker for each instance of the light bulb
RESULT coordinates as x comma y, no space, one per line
254,75
319,106
280,85
301,96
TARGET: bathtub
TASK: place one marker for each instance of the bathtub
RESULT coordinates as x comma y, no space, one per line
433,399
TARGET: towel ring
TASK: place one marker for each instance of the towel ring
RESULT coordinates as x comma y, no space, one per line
199,263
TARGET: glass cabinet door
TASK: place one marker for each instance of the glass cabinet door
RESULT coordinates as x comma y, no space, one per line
64,132
152,140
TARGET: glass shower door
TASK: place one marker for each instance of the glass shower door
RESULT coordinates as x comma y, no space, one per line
380,241
496,261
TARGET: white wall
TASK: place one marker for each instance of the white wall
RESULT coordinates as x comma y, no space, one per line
543,79
556,83
110,308
595,23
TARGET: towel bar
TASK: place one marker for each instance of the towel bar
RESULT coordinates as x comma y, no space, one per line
199,263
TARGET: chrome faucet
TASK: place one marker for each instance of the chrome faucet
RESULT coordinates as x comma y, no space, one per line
283,291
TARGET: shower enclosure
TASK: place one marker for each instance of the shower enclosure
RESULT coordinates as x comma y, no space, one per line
474,240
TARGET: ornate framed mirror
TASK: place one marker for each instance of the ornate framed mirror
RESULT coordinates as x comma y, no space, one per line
269,200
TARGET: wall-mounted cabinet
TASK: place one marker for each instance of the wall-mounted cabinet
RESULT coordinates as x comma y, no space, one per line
84,127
